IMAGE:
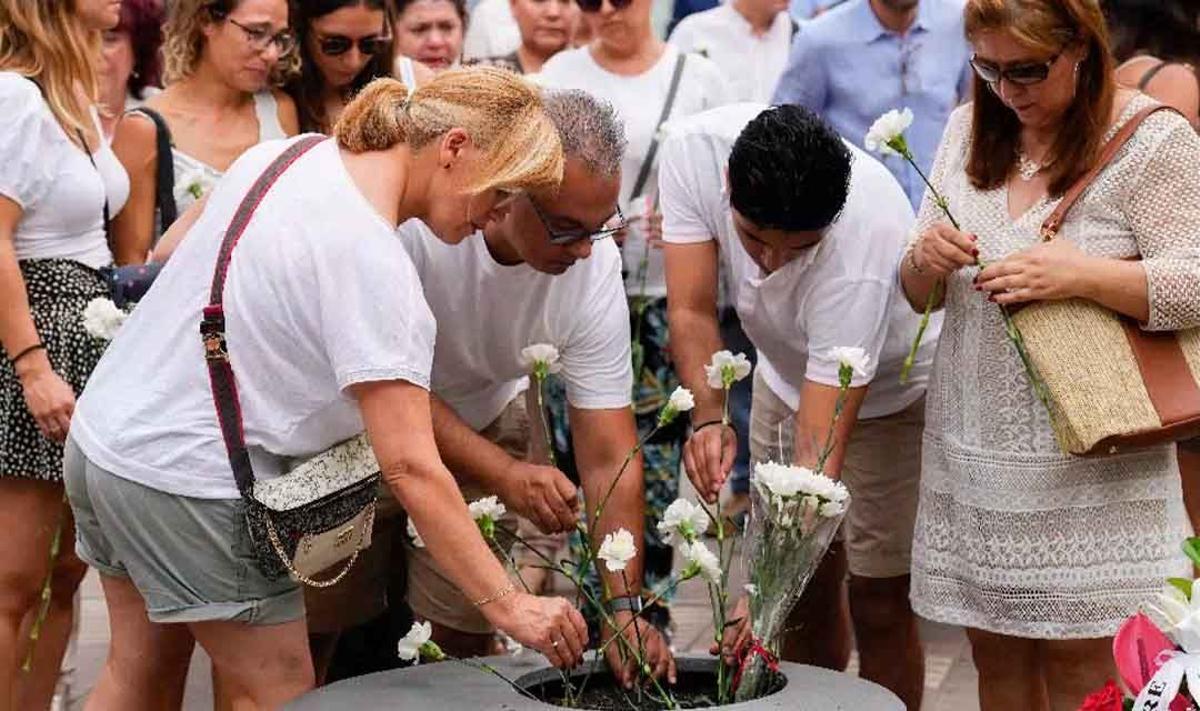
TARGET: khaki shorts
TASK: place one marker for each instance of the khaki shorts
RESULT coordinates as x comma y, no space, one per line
431,595
882,470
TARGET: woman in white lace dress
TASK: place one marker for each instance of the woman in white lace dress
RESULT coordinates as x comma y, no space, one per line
1041,555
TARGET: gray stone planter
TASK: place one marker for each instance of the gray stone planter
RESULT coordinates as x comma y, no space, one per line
449,686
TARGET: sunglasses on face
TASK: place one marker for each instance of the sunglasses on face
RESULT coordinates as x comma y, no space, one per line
616,223
1023,74
337,45
595,5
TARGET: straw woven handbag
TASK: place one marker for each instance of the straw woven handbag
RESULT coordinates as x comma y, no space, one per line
1113,386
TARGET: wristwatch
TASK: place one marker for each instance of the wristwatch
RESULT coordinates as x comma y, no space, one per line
632,603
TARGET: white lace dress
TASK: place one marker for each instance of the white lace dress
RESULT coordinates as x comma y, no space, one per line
1013,536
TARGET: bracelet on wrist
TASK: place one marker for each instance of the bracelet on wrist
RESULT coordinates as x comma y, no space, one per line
32,349
708,423
631,603
501,593
912,259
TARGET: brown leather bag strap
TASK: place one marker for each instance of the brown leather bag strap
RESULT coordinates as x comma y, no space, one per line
1054,222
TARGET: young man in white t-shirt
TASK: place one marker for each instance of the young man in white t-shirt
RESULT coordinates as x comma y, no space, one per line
547,273
811,230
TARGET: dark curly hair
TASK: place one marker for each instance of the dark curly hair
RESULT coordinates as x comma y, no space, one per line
305,88
789,171
143,21
1167,29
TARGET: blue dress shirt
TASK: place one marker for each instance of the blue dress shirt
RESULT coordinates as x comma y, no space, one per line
849,69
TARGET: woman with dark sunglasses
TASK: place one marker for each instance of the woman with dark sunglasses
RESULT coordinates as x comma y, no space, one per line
1042,555
343,45
223,61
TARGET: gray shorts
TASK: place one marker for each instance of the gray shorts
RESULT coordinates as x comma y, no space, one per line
190,559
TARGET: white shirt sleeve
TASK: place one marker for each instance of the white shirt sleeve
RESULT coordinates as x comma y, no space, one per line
597,365
375,324
824,321
26,134
679,196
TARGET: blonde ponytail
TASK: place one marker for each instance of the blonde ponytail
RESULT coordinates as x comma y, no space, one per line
375,120
500,111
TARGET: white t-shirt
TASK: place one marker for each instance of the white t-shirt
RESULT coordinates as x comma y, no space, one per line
639,101
320,295
492,31
843,292
60,192
751,63
487,313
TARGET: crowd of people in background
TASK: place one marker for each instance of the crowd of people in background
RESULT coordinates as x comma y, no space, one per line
645,182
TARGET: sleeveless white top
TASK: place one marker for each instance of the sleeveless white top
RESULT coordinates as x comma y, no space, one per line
194,178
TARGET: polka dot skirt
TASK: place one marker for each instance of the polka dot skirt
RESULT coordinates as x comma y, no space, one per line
58,291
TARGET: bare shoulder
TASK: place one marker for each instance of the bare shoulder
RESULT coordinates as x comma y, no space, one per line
289,117
135,136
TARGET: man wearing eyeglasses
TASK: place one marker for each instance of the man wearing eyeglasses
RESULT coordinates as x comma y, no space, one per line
855,61
546,273
811,230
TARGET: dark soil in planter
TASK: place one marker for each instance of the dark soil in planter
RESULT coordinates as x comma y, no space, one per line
696,688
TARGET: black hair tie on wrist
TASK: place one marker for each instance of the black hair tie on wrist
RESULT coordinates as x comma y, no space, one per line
27,351
702,425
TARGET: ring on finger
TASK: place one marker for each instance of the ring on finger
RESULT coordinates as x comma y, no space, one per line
554,644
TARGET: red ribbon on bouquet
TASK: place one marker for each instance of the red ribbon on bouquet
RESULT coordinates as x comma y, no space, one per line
754,649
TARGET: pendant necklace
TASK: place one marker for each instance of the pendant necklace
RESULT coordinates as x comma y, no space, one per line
1027,168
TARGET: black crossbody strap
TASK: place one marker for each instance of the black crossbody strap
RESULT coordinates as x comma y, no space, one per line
212,325
644,173
164,171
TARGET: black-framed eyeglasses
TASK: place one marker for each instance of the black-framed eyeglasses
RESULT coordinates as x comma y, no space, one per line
337,45
616,223
595,5
1023,74
260,38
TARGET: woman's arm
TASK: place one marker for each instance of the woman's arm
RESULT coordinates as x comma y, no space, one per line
172,237
135,145
397,416
49,398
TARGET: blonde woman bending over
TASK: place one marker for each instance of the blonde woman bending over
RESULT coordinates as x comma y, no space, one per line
329,334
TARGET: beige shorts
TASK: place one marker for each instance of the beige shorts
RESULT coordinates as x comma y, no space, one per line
882,470
431,595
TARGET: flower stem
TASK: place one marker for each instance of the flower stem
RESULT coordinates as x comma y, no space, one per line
539,381
44,602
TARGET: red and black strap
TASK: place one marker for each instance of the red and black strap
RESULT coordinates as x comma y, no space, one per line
212,325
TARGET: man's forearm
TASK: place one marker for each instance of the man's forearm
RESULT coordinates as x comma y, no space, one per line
818,404
693,351
603,438
467,454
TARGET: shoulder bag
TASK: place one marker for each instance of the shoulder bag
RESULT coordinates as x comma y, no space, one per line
1113,385
321,512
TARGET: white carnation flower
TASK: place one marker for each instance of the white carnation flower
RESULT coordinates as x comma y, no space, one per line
830,509
699,555
780,479
409,648
1178,616
682,520
617,550
751,589
102,319
886,130
489,507
852,357
682,400
725,369
540,356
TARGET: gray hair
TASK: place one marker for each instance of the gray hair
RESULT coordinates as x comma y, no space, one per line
588,128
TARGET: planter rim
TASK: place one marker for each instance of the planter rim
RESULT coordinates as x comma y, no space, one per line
450,686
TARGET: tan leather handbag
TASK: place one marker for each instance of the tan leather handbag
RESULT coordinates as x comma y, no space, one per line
1113,386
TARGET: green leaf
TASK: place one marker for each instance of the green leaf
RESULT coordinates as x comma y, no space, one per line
1191,548
1183,585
